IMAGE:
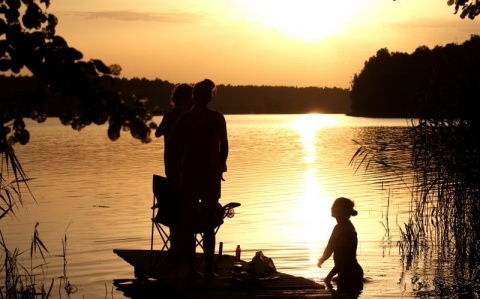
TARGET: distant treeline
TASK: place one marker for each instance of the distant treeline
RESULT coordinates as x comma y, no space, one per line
442,81
429,82
229,99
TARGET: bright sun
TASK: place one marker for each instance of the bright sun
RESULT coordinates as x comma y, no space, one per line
304,19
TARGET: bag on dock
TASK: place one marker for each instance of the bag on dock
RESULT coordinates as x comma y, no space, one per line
262,266
257,272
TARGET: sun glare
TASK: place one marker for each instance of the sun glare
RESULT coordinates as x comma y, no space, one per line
304,19
309,123
306,126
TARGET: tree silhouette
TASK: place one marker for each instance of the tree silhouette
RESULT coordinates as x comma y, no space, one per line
468,8
28,41
441,82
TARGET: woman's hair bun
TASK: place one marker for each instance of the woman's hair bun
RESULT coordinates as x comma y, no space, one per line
346,206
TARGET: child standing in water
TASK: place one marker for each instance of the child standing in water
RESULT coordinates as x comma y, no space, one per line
343,245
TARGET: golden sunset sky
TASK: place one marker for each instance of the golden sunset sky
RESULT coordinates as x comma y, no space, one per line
254,42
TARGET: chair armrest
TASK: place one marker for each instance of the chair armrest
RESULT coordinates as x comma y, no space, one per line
231,205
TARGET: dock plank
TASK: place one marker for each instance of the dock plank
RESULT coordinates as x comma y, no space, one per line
158,275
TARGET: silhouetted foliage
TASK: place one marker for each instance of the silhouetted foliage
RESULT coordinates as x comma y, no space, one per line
441,82
469,8
28,41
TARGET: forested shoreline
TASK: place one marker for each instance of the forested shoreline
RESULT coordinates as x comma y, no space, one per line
229,99
439,82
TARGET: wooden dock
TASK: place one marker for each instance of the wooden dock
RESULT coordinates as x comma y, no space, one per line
156,276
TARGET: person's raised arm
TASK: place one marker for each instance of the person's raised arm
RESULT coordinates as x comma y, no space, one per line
326,255
328,250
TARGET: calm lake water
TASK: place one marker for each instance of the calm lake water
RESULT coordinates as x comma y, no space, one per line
285,170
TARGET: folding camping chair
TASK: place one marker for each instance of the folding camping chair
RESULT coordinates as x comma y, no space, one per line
165,201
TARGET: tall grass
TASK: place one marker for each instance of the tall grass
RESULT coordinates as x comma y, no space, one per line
447,209
443,228
19,280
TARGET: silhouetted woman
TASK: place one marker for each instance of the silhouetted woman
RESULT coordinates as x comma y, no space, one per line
181,101
343,244
201,136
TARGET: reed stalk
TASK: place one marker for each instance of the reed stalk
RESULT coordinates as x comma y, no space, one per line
20,281
443,228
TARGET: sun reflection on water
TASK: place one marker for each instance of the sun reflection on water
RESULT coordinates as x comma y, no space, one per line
307,126
313,210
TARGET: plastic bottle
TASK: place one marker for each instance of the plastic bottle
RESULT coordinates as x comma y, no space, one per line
220,250
238,251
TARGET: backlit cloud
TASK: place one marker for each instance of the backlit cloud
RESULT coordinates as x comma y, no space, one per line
134,16
453,24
